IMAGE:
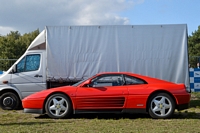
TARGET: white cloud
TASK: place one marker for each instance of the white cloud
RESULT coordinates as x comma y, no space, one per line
29,15
5,30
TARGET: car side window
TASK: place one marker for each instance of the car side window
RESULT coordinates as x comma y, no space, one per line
129,80
107,80
29,63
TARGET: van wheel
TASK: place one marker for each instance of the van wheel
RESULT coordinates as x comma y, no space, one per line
9,101
161,105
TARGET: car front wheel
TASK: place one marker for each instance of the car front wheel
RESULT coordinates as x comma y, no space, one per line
161,105
58,106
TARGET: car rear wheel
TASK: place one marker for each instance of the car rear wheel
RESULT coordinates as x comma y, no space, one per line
58,106
9,101
161,105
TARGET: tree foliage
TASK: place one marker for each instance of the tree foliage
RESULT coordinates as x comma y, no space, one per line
14,45
194,47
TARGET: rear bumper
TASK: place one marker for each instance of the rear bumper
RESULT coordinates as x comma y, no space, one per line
34,111
182,106
183,101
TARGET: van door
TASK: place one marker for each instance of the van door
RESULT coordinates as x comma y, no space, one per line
29,76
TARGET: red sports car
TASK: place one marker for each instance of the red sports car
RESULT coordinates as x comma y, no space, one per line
115,92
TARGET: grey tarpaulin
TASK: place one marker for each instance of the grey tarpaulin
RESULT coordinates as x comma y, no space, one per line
76,52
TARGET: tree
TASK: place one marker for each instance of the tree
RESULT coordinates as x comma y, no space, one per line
194,47
194,43
14,45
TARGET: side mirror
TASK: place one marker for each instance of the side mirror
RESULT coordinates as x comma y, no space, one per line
14,69
87,83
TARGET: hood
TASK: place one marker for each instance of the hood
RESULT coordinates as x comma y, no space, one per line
45,93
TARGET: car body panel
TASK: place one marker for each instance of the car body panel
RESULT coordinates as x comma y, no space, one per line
101,97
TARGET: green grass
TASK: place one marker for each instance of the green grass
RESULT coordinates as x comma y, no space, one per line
186,121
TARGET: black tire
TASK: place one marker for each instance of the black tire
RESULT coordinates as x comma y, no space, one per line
58,106
9,101
161,106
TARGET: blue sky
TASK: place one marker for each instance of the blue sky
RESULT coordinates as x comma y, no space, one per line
26,16
166,12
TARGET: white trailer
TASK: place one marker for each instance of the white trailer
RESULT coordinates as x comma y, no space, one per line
62,55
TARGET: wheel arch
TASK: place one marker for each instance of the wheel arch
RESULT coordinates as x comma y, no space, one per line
13,90
160,91
44,111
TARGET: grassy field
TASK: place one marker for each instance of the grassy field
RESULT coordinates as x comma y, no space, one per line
187,121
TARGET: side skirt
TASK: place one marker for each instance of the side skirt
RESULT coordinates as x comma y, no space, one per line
80,111
138,111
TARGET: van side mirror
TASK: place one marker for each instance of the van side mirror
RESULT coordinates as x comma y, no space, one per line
14,69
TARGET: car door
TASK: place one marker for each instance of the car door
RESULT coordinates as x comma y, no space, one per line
29,76
105,92
138,93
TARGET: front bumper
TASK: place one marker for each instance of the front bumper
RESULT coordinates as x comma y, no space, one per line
34,111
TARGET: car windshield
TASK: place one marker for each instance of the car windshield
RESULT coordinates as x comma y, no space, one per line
80,82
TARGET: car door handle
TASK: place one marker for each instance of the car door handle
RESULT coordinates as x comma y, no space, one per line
37,75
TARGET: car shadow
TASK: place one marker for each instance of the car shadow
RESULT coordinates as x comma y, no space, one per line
23,123
195,103
177,115
100,116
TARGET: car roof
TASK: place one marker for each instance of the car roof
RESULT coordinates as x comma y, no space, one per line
146,78
128,73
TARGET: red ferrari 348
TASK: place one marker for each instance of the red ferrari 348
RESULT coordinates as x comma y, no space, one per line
114,92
